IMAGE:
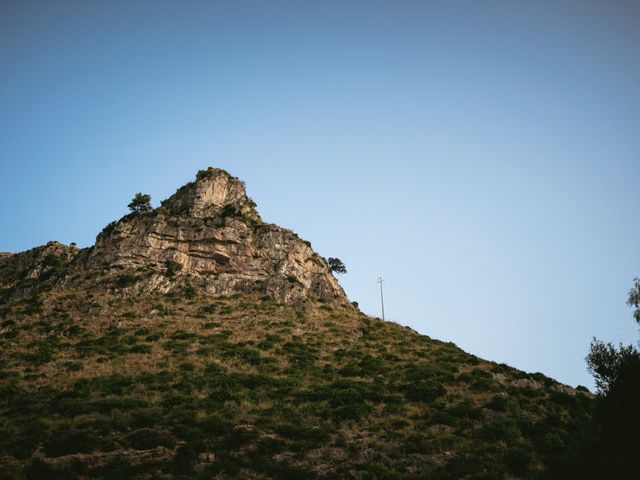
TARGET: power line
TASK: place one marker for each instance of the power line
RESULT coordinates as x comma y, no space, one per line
564,327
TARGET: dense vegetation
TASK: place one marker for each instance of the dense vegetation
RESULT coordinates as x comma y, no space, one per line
609,448
97,384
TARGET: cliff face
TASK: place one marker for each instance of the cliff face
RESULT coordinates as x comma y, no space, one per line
209,236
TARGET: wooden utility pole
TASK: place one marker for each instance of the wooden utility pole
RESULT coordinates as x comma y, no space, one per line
380,280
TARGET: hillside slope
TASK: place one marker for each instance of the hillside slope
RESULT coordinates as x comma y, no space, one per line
171,361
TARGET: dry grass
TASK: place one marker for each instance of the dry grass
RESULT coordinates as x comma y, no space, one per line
274,391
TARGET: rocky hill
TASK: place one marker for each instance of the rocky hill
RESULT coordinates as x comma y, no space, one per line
207,236
195,340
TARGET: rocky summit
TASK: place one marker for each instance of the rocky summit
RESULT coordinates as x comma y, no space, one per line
208,236
196,341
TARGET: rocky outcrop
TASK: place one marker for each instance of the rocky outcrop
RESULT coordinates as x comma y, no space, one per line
38,267
209,236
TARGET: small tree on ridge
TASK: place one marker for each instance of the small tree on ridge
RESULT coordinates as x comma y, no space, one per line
336,265
141,203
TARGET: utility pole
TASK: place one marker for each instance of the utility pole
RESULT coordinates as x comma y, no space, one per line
380,280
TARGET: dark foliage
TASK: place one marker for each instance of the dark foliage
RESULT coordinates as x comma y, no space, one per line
172,267
140,204
336,265
610,448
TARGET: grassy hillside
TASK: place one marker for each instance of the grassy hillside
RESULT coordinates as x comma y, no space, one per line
97,385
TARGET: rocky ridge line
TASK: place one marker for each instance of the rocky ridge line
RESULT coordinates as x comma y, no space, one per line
208,236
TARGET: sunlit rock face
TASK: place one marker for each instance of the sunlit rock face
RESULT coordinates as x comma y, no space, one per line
209,234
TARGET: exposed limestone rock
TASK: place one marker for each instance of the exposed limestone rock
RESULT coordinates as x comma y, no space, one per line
23,270
208,235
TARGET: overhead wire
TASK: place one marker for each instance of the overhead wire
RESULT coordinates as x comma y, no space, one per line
622,333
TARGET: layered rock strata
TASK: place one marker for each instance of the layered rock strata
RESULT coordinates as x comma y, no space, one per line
209,236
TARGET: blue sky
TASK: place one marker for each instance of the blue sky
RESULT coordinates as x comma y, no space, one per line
481,156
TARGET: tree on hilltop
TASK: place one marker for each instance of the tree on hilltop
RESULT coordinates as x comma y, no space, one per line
141,203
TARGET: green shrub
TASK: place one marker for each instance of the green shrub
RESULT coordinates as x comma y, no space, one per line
466,409
311,437
145,439
182,335
229,211
171,268
41,351
518,459
211,308
108,229
33,304
10,334
177,346
140,348
236,438
380,471
66,441
347,399
120,468
72,366
299,354
423,391
73,331
38,470
266,344
123,281
22,438
500,430
499,403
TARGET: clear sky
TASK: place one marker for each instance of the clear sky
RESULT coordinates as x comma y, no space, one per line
482,156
